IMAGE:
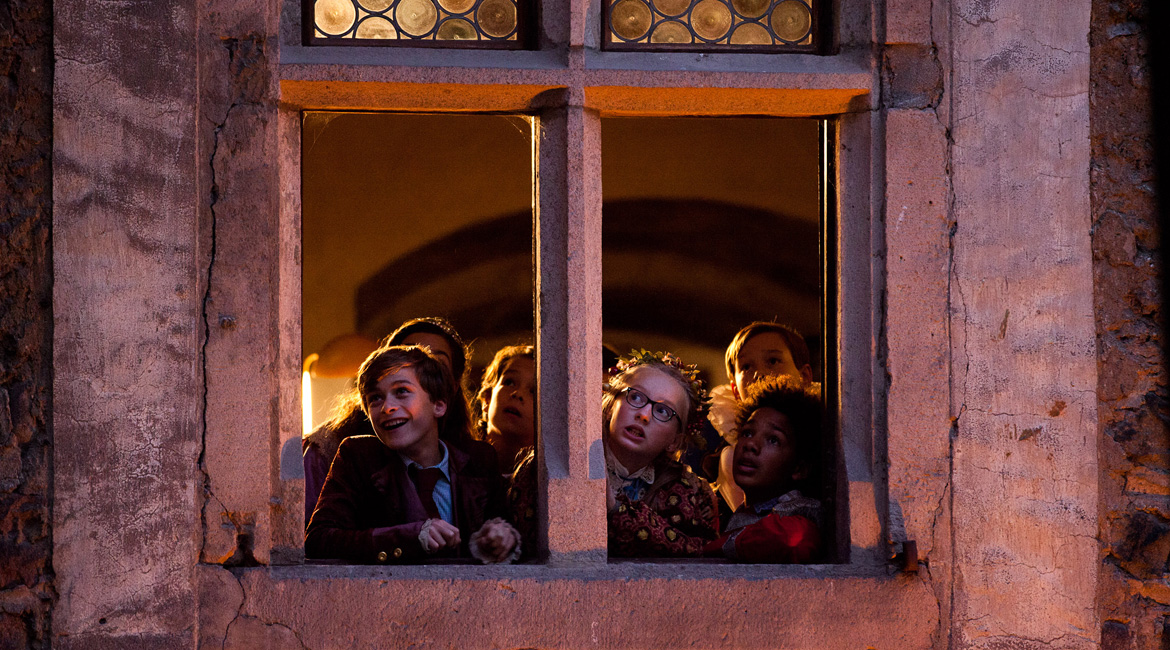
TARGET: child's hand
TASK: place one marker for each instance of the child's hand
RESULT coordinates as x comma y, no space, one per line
495,540
437,534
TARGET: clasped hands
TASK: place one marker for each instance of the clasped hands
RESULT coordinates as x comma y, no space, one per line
495,539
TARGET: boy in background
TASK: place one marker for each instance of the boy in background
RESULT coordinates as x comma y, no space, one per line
762,349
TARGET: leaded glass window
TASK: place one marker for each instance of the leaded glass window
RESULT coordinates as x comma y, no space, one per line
717,25
442,23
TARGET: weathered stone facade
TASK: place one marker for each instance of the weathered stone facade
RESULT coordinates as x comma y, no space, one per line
26,280
1135,439
190,290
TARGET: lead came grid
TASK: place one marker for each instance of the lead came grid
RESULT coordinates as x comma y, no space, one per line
771,25
454,23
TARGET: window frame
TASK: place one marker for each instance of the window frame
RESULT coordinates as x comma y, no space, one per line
567,90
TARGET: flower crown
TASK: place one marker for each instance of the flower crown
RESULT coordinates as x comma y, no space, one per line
697,417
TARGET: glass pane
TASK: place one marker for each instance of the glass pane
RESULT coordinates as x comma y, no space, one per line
409,216
743,25
712,235
449,23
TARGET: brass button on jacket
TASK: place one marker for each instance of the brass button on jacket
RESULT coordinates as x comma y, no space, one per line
382,556
397,553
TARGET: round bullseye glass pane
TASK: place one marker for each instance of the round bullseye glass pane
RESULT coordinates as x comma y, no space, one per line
751,8
334,16
497,18
456,29
711,19
376,5
456,6
672,7
791,20
751,34
416,17
630,19
376,28
671,32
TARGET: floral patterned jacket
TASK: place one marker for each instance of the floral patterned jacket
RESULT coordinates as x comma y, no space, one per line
675,517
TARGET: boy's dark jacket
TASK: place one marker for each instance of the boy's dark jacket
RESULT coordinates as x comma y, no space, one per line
369,511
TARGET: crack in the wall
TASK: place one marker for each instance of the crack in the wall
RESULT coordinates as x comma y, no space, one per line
245,58
239,610
213,197
239,616
948,495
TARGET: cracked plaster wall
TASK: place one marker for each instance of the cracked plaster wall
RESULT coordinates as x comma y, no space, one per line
125,326
1023,355
1009,324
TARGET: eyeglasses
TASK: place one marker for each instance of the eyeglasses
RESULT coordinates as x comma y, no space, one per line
659,410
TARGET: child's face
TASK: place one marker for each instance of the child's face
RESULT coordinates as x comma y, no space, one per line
510,407
763,355
634,435
404,417
438,345
765,463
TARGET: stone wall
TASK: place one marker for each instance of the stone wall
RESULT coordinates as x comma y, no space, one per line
1134,443
26,74
1134,599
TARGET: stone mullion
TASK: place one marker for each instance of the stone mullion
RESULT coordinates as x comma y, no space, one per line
568,312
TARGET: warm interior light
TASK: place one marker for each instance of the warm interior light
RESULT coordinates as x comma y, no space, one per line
307,395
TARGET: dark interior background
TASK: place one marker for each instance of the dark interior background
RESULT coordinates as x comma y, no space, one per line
709,224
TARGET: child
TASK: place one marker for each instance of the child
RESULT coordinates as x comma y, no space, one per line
778,431
349,419
762,349
419,487
506,404
656,506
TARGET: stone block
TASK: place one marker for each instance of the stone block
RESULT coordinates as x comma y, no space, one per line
918,245
908,21
13,633
1116,635
627,605
10,469
1146,548
1114,242
220,599
1146,480
20,600
247,632
912,76
5,418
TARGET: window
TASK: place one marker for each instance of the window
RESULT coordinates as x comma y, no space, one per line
411,215
568,100
711,224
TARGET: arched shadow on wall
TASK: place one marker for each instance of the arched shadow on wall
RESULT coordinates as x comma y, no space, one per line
689,271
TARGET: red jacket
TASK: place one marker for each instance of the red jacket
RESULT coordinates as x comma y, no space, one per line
783,530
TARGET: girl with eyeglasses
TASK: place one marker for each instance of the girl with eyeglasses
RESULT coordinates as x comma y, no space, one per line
652,406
